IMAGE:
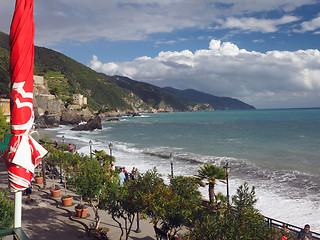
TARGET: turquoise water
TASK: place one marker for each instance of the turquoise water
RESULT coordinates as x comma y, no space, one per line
277,151
272,139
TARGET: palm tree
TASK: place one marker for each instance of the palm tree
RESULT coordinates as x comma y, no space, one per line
211,173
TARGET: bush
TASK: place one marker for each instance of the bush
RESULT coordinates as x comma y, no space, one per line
242,221
6,211
5,126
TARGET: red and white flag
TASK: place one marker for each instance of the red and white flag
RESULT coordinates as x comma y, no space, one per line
23,153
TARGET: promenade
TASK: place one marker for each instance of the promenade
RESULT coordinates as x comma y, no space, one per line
45,218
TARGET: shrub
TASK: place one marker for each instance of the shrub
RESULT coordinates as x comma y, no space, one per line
6,211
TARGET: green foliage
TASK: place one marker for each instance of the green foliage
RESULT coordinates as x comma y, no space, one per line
211,174
121,203
4,71
244,199
73,77
88,180
45,141
103,158
182,201
5,126
169,206
6,211
230,223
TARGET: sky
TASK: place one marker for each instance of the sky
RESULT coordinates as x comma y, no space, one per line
262,52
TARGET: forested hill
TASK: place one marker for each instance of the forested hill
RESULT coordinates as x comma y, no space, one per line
66,76
178,98
190,96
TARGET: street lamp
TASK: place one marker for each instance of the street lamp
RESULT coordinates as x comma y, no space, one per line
110,148
63,138
171,163
227,170
90,144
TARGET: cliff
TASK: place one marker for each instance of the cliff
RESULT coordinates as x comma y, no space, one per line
50,111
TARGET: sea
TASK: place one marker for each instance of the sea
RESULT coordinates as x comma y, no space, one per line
277,151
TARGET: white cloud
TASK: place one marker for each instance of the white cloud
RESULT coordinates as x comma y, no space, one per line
83,20
312,25
223,69
257,25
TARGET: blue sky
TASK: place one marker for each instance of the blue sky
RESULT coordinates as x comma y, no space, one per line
265,53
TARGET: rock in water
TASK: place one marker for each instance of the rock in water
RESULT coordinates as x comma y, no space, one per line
92,124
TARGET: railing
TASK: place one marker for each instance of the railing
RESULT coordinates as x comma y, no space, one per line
3,145
17,233
278,224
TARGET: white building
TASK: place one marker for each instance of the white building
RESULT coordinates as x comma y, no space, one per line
79,99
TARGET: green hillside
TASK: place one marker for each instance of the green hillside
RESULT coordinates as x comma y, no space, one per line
178,99
101,93
66,76
191,96
4,73
150,94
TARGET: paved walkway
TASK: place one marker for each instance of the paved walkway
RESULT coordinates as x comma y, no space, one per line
45,218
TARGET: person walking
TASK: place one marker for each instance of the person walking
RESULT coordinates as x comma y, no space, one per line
125,173
122,177
133,172
28,193
305,233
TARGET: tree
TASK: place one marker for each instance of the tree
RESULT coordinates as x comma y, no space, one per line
103,158
168,206
6,211
88,181
183,200
53,159
151,193
210,173
242,221
121,202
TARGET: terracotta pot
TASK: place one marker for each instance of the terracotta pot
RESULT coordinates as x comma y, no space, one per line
67,201
56,193
81,213
39,179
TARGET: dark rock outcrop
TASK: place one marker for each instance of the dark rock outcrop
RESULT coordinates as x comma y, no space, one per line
91,125
112,120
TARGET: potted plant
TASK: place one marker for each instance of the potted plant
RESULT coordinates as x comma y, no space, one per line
67,200
67,162
55,191
81,210
38,179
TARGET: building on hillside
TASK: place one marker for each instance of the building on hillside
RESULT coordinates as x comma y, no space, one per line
5,106
38,80
79,99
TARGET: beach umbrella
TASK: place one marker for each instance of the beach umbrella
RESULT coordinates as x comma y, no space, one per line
23,153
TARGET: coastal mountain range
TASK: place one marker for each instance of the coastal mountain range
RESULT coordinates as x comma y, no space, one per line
65,77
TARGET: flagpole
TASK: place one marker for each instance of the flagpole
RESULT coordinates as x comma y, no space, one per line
17,209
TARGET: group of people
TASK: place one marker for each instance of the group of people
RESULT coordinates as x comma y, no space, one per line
125,176
304,234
